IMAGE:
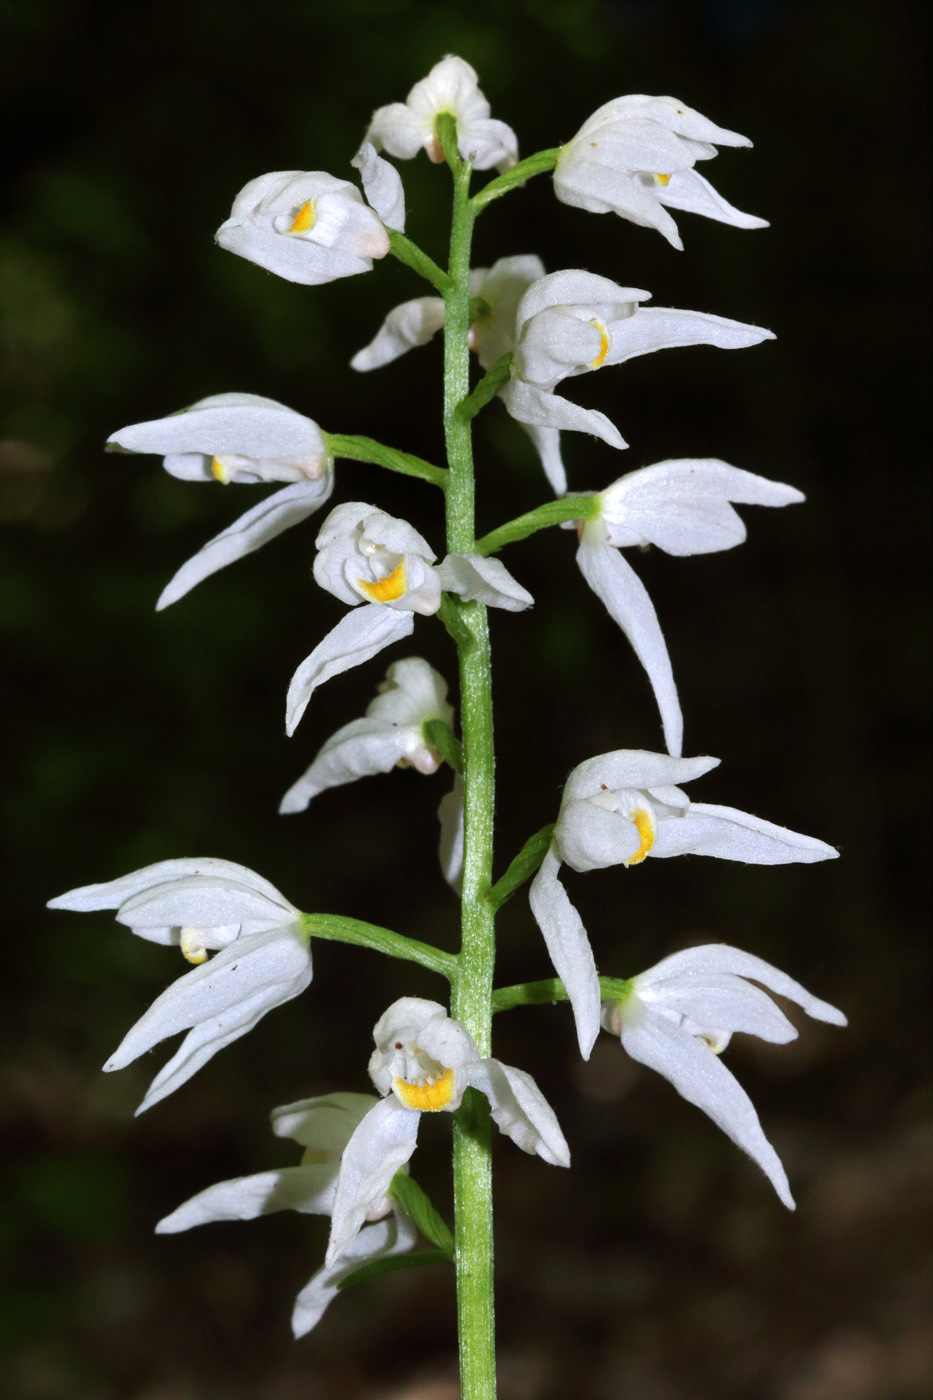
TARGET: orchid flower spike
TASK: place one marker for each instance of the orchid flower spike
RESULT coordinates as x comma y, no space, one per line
683,508
308,226
405,128
392,734
323,1127
636,154
679,1016
569,323
367,556
495,293
264,958
242,439
618,809
423,1063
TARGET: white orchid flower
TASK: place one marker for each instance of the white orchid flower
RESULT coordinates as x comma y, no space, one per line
306,226
241,439
682,507
495,293
679,1016
405,128
392,734
636,154
618,809
263,960
323,1127
367,556
423,1063
571,322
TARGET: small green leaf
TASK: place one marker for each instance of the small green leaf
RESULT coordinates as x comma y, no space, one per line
442,738
412,1199
391,1264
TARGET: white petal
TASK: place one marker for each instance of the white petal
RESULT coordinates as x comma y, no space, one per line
702,1079
664,328
295,259
714,959
382,186
572,287
112,893
405,1019
257,527
689,191
488,580
632,768
446,1041
407,326
487,143
247,425
711,830
722,1003
450,848
603,189
614,581
547,446
382,1143
259,963
591,838
309,1190
529,404
325,1123
357,637
520,1110
396,1235
399,130
203,901
569,948
358,750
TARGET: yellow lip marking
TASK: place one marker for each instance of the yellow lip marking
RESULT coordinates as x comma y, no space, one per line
305,218
386,590
663,179
191,947
603,344
647,830
219,471
428,1098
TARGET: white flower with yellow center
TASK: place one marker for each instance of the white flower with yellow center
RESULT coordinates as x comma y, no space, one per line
636,155
237,439
570,323
682,507
405,128
391,735
308,226
680,1015
323,1127
424,1062
366,556
203,905
618,809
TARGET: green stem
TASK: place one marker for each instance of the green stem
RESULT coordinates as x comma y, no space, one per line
471,991
364,449
412,256
538,164
551,513
552,989
381,940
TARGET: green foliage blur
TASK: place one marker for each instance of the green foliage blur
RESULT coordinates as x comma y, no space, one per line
660,1267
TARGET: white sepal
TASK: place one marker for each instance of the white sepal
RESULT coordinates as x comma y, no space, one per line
356,638
538,408
391,733
473,576
396,1235
719,960
309,1190
546,443
520,1110
250,532
382,186
615,582
568,947
710,830
411,324
633,768
666,328
305,226
380,1146
450,845
325,1123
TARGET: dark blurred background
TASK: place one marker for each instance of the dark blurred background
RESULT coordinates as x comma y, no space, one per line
662,1267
